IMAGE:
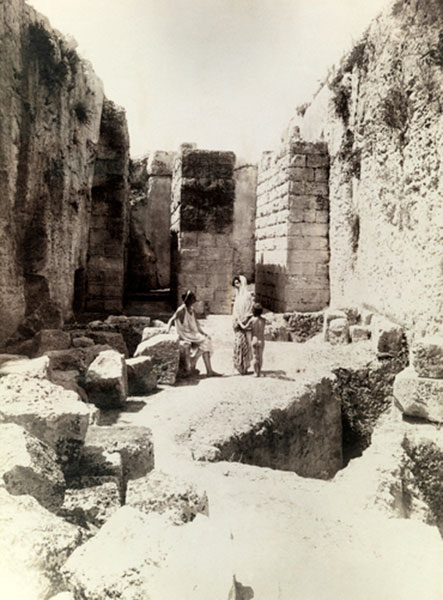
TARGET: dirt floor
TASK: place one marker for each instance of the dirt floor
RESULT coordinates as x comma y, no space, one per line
283,536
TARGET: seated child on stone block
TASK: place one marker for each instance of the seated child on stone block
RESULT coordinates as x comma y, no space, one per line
256,324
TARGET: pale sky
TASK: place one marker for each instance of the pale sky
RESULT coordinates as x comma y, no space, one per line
226,74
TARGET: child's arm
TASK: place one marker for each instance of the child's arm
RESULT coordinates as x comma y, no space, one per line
246,324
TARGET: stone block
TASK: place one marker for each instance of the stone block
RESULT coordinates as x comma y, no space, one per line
106,380
419,396
82,342
110,338
150,332
165,349
304,325
167,494
160,163
427,356
52,339
70,381
133,444
95,504
317,160
141,377
29,466
388,338
359,333
52,414
338,331
39,368
67,360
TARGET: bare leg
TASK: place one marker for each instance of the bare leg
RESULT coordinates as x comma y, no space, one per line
207,361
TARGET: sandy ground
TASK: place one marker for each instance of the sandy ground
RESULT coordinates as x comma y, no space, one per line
283,536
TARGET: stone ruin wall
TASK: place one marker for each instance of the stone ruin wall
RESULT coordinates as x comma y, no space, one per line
149,259
244,221
50,117
202,219
108,234
292,251
381,116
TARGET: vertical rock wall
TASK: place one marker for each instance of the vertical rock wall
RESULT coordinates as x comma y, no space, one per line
50,106
381,113
292,228
149,259
202,219
106,267
244,220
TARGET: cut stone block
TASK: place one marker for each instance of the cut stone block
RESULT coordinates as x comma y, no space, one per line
34,545
359,333
427,357
141,376
338,331
419,396
106,380
165,349
69,381
134,445
27,367
150,332
96,504
110,338
97,462
167,494
303,326
52,414
388,338
52,339
28,466
82,342
330,315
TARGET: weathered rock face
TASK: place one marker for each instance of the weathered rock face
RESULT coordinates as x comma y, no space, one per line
95,504
381,114
105,271
245,177
149,253
50,106
106,380
164,349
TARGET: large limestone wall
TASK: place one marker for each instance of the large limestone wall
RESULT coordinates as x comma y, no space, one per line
50,107
381,116
202,219
106,266
149,260
292,252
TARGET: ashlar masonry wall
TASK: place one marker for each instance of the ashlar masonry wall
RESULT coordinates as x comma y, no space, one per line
292,250
202,221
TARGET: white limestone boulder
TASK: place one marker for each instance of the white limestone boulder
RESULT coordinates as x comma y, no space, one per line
29,466
96,504
52,414
167,494
427,357
329,316
164,349
33,547
419,396
106,380
338,331
150,332
40,368
134,444
131,548
141,376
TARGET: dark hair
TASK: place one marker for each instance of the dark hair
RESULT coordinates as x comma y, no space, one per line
257,309
188,297
236,278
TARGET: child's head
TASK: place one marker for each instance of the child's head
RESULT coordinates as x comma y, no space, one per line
257,309
189,298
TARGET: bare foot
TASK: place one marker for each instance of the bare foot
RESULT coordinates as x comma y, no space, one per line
214,374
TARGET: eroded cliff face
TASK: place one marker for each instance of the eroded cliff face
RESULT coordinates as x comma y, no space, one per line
51,107
381,115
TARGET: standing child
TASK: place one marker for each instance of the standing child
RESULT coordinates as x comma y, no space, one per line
256,324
